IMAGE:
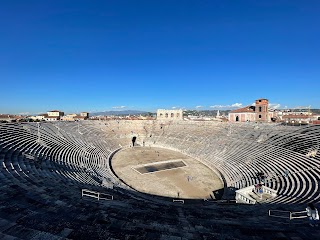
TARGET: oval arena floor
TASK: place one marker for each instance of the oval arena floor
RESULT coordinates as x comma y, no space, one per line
167,173
44,168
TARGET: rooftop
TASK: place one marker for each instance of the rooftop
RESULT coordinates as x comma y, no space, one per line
247,109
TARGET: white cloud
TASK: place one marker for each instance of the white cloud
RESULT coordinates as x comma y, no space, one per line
236,105
232,106
274,105
24,113
240,105
119,107
197,107
175,107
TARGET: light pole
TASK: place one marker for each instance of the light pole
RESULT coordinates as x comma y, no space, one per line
309,113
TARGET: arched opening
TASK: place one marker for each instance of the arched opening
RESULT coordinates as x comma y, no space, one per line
172,115
167,115
134,140
237,118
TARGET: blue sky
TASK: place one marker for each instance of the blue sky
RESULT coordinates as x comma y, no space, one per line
101,55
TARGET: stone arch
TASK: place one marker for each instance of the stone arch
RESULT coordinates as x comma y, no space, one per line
169,114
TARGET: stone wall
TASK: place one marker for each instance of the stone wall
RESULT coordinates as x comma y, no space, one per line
163,114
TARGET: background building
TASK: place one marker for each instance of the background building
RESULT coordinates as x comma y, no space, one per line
300,115
39,117
84,114
245,114
54,115
262,110
69,117
258,113
163,114
9,118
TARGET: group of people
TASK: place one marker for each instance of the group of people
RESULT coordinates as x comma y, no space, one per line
258,189
261,177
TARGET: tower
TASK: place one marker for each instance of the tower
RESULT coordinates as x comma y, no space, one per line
262,110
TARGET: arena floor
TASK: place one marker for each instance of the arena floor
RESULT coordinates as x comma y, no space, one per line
166,173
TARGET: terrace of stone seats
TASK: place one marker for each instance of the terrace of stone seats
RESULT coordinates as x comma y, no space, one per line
239,151
42,178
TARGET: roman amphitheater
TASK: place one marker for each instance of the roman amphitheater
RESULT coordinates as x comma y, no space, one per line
157,180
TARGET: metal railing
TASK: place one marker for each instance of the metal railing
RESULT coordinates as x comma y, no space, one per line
287,214
97,195
294,215
178,201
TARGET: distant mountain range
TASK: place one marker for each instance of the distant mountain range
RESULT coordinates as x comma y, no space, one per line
186,112
138,112
118,113
205,113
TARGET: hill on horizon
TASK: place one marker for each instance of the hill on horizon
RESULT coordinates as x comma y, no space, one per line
117,113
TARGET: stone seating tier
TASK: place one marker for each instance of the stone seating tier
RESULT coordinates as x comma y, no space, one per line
42,174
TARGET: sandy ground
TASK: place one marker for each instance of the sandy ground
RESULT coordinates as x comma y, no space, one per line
174,183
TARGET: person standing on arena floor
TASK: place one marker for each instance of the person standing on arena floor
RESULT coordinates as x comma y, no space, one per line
313,215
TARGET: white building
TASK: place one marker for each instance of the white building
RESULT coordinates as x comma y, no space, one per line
84,114
39,117
54,115
69,117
